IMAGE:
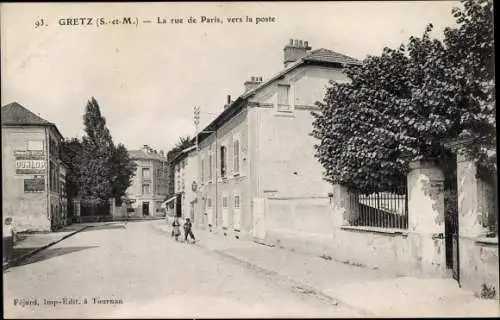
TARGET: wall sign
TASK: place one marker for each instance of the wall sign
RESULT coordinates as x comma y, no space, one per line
30,162
34,185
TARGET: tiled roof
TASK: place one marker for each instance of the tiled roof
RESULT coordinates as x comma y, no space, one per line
140,154
326,55
16,114
319,56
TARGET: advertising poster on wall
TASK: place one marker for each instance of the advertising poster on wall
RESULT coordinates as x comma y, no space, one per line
30,162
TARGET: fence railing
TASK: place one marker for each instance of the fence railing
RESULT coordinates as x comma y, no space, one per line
92,208
387,209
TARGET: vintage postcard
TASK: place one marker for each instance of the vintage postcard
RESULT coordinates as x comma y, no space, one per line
249,159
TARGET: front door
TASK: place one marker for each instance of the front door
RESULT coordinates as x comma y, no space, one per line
145,208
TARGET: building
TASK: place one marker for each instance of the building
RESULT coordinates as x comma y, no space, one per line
33,176
185,185
260,146
149,186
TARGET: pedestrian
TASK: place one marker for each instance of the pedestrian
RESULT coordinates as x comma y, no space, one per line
9,234
176,231
188,230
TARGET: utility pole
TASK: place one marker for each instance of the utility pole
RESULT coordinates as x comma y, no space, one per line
196,123
196,118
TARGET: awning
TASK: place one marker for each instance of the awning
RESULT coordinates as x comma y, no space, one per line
164,204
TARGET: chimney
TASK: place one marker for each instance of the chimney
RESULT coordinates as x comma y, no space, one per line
145,148
161,153
252,83
295,50
228,101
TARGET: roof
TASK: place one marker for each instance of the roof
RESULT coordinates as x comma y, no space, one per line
183,154
330,56
14,114
141,155
317,57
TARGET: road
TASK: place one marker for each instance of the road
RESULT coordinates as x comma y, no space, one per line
134,270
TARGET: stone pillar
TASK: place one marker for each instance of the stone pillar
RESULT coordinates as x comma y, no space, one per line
473,198
426,217
76,211
478,257
344,210
112,206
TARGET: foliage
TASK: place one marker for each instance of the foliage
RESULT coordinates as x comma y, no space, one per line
403,104
183,143
98,169
122,172
70,153
97,155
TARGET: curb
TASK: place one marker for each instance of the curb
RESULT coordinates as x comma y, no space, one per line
296,285
36,250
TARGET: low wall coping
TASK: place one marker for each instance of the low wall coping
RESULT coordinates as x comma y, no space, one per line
386,231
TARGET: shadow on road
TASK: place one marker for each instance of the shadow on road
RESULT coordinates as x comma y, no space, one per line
47,253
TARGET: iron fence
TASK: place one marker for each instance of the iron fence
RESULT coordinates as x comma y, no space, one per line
387,209
94,208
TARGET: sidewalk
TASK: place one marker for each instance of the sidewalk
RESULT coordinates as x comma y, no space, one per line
31,243
370,292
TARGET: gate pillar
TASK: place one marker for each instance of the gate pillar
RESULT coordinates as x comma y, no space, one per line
426,217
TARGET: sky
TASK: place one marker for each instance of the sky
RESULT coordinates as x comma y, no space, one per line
148,78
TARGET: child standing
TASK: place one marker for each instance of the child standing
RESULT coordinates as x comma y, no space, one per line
176,232
188,230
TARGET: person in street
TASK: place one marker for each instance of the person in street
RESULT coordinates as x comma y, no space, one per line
9,234
176,231
188,230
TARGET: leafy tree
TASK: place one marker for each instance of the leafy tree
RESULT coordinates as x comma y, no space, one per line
97,155
183,143
403,104
98,169
70,154
122,172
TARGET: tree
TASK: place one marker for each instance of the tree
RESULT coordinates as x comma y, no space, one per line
403,104
183,143
98,169
122,172
97,147
471,46
70,154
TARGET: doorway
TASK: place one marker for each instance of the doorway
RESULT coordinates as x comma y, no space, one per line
145,208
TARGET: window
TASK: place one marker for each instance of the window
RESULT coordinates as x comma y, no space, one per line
209,202
35,145
284,97
223,156
236,156
236,201
145,188
146,174
210,170
224,202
